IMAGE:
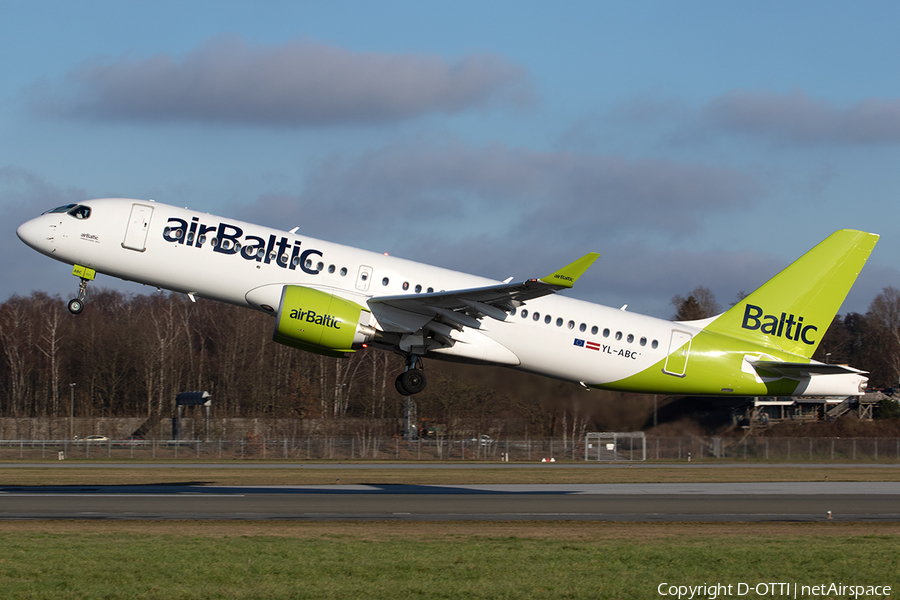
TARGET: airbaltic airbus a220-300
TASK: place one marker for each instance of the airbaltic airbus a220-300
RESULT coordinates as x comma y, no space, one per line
334,300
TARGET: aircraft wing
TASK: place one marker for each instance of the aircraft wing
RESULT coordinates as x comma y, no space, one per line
464,308
787,369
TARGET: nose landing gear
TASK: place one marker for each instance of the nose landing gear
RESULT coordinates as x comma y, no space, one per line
76,305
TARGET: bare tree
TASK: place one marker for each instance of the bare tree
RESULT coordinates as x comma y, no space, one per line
51,310
884,318
16,340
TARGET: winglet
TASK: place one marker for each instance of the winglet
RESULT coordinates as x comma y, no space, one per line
568,275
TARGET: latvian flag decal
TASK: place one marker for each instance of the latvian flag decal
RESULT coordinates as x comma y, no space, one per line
588,345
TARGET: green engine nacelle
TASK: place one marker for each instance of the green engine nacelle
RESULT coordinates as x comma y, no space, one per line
320,322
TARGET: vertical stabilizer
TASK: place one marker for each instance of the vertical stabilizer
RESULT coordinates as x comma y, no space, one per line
792,311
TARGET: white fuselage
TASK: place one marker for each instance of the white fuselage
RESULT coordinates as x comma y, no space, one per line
248,265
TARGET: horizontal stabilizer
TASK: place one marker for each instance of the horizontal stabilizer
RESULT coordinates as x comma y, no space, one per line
787,369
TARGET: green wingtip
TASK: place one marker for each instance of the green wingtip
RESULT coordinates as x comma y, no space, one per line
568,275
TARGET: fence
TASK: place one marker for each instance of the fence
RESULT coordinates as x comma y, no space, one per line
615,446
517,450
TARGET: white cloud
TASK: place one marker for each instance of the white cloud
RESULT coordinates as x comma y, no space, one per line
506,191
299,83
798,119
780,118
499,211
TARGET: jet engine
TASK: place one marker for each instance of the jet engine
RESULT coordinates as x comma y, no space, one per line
321,322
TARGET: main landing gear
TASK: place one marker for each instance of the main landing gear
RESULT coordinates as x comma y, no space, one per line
412,380
76,305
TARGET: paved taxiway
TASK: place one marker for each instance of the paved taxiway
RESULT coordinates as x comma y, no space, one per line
803,501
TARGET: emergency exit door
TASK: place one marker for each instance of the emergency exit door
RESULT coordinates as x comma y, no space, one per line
679,351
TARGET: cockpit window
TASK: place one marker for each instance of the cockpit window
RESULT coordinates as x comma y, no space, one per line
78,211
61,209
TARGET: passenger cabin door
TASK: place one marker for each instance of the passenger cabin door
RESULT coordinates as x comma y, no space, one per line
138,226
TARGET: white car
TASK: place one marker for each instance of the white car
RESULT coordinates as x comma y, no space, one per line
485,440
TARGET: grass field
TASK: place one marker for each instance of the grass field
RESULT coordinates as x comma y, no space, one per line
63,560
373,560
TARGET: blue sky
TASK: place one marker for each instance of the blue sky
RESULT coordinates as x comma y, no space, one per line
700,143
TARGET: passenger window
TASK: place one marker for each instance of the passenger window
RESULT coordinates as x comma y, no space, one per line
654,344
606,332
343,271
331,268
582,328
630,338
643,341
559,322
524,313
594,330
618,335
536,316
385,281
405,285
547,319
571,324
419,290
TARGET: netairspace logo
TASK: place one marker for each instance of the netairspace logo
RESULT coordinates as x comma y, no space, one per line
772,590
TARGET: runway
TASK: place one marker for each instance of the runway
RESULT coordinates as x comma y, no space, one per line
443,465
722,502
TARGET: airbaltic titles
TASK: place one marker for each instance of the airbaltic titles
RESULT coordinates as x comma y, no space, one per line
230,239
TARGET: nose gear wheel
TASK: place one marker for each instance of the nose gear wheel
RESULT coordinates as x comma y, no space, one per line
76,305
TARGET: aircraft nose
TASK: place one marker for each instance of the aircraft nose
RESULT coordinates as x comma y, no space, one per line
36,233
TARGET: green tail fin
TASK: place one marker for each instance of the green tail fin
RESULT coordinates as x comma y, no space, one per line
793,310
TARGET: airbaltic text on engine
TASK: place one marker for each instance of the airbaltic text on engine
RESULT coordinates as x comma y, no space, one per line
771,325
310,316
230,239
